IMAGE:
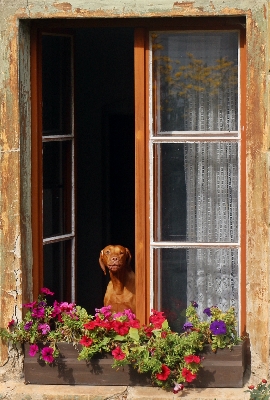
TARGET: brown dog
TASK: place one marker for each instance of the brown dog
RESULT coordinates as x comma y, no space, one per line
120,293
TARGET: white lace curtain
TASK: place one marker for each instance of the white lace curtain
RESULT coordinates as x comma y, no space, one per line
211,171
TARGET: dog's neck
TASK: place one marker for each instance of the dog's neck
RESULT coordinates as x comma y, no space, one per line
118,280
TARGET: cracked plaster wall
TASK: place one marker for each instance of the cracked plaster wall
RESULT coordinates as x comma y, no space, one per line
15,145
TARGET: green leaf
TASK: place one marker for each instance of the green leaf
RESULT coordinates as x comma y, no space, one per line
165,325
134,334
120,338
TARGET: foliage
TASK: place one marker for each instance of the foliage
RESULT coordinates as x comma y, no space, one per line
260,392
220,329
170,358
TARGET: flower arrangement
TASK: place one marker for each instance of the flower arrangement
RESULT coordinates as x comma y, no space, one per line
170,358
259,392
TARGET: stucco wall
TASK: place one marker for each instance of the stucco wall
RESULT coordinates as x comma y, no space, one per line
15,234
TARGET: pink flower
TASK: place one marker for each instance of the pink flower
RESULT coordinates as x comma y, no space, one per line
38,312
165,372
86,341
118,354
45,290
178,387
47,354
33,350
188,375
44,328
30,305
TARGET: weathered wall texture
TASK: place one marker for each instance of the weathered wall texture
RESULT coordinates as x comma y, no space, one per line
15,234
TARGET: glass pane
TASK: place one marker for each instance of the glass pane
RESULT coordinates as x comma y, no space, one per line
56,188
207,276
56,85
57,268
195,78
196,192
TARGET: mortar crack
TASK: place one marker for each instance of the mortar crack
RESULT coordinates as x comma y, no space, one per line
119,396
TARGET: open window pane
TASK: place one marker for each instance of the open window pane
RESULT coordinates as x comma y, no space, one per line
196,192
57,268
57,186
208,276
56,85
195,81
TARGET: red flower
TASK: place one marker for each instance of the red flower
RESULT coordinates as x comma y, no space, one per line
264,381
91,325
122,328
165,372
157,318
164,334
188,375
11,323
251,387
86,341
192,358
148,331
118,354
134,323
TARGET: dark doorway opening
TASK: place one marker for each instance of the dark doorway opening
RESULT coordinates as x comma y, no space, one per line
105,153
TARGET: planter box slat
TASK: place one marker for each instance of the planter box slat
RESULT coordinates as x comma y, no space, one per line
224,368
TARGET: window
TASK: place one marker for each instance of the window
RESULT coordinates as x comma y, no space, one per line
138,139
195,147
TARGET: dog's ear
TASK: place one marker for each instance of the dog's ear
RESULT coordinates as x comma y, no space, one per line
128,256
101,263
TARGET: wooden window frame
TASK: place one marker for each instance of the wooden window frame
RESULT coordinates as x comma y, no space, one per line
141,26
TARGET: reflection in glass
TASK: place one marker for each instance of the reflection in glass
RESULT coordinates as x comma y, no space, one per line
56,188
196,192
195,79
57,267
207,276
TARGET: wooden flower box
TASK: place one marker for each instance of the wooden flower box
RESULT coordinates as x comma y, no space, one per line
68,370
224,368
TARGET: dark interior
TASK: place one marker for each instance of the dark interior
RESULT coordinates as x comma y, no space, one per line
104,109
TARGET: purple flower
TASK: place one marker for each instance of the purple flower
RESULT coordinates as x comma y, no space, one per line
47,354
207,311
187,326
194,304
44,328
218,327
46,291
33,350
28,325
38,312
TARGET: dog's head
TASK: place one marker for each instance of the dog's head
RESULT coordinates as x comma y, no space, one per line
115,258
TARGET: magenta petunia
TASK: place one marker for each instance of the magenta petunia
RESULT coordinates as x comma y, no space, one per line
33,350
44,328
45,290
38,312
47,354
30,305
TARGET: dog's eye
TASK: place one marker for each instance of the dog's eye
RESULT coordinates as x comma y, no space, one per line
107,252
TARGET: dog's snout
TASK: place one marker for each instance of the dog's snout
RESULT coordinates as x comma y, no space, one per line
114,258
